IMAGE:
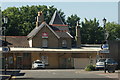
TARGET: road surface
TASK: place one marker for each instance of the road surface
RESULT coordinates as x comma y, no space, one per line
66,74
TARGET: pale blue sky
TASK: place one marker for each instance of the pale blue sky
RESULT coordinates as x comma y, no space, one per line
89,10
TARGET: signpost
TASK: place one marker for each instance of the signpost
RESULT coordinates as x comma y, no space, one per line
5,50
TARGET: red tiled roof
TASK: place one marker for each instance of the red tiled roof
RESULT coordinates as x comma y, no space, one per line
61,31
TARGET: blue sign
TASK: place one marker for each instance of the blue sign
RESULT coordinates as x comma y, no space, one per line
104,46
5,49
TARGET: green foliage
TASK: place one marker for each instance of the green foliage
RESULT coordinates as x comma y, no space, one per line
90,68
114,30
22,19
0,18
91,32
72,20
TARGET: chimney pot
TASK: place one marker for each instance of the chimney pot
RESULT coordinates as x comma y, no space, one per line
40,18
40,13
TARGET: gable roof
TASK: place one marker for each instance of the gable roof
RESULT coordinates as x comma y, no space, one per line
56,19
60,28
37,29
2,42
64,34
56,25
16,41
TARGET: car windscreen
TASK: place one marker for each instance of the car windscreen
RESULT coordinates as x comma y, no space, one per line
110,60
101,60
38,62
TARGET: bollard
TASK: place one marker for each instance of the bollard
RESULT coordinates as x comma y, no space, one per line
5,70
105,67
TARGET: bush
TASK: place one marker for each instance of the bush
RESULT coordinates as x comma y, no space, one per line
90,68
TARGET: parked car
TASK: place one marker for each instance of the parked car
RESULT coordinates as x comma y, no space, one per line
109,61
38,64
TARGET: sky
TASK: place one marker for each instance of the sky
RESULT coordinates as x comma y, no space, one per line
90,10
60,0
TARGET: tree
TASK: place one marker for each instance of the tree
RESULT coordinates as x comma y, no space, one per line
114,30
91,32
71,21
22,19
14,18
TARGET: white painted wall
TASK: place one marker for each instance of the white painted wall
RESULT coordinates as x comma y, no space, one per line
80,63
30,43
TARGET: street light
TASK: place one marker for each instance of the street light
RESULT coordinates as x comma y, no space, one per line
104,24
5,19
5,48
105,41
104,21
106,35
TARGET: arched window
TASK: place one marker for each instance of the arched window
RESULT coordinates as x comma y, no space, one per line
64,43
44,43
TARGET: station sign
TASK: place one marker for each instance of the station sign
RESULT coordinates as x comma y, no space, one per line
5,49
44,35
105,46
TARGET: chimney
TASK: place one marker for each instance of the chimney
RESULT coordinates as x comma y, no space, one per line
40,18
78,37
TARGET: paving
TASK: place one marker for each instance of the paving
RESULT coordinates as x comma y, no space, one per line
66,74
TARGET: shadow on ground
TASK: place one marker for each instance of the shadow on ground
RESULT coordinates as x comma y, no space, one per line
10,73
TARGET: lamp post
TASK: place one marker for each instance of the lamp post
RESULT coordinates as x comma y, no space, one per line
106,35
4,44
104,24
5,22
105,44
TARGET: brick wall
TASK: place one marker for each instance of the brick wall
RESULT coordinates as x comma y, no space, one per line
114,47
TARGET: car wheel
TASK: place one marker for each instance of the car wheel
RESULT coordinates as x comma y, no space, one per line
97,68
111,71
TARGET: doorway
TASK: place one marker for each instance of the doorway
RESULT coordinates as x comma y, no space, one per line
19,62
66,63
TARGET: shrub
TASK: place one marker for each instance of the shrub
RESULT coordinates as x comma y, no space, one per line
90,68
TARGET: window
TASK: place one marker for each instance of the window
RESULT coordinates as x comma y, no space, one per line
64,44
44,43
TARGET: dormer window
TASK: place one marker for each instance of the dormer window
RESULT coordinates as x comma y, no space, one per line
64,43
